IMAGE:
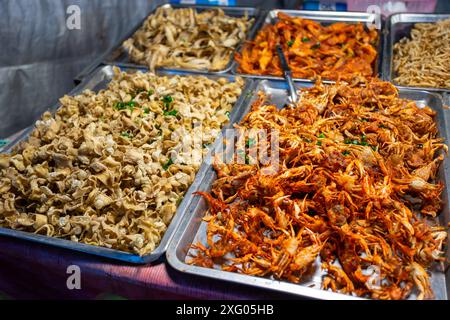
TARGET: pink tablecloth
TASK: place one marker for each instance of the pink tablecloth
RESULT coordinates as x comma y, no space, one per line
29,270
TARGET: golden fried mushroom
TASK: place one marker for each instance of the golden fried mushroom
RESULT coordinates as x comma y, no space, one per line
110,168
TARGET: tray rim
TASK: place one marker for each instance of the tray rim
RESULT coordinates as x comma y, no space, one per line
285,286
114,254
387,62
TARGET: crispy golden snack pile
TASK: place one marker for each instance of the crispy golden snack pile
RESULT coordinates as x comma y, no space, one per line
110,168
356,186
340,50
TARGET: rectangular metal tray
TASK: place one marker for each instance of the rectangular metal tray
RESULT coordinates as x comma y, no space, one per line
192,228
325,18
399,26
96,81
117,55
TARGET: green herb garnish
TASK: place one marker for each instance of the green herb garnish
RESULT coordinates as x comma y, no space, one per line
305,39
290,43
346,153
126,134
321,136
242,153
150,92
168,164
146,111
250,142
319,143
316,45
167,100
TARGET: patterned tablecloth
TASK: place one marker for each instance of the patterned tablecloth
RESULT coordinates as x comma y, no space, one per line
30,271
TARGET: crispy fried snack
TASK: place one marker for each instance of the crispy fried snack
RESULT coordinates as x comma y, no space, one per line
423,60
355,187
340,50
187,39
110,168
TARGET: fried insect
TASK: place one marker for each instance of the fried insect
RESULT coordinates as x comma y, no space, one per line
356,188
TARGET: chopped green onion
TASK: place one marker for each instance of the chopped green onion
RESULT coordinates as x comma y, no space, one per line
305,39
227,114
120,106
146,111
374,148
346,153
321,136
150,92
167,99
348,141
290,43
319,143
316,45
355,142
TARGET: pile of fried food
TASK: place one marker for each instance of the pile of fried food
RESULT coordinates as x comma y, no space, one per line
107,169
185,38
355,186
424,59
340,50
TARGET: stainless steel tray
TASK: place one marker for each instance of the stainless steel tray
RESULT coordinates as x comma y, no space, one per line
192,228
399,26
119,56
325,18
96,81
